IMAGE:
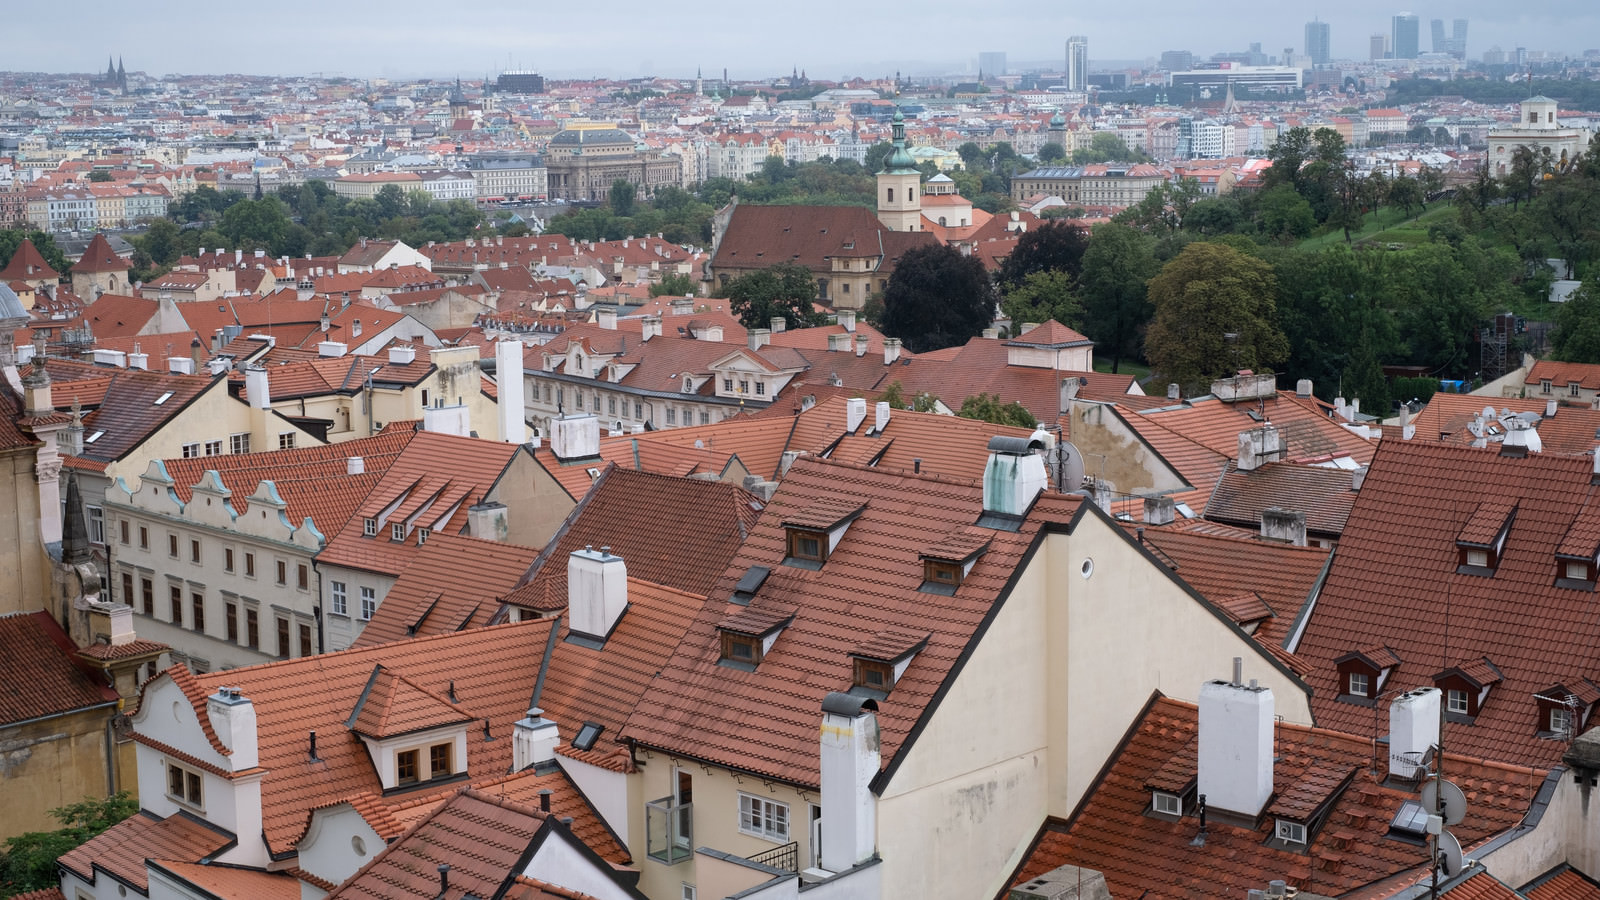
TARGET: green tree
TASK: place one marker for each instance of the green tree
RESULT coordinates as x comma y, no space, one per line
1044,295
259,224
786,289
1051,152
99,175
988,408
1214,215
29,860
895,396
1405,192
622,197
675,284
160,241
1289,154
973,157
1284,214
937,298
1052,247
1215,313
1116,268
1576,337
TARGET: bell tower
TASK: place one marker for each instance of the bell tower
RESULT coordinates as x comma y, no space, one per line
900,185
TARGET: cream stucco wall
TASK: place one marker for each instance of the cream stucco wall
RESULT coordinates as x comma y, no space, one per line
1568,832
1116,454
212,416
50,763
22,557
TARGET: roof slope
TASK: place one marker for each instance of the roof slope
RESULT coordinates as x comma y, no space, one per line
122,850
98,257
1323,494
765,721
38,677
454,582
1394,582
1141,855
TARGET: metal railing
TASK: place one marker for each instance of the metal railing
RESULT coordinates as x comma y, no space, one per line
786,857
669,830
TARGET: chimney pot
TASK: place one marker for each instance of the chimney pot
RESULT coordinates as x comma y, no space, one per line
444,878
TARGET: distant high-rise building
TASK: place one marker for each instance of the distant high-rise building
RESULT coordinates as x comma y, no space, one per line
1177,61
992,63
1319,42
1441,44
1458,39
1407,36
1077,63
1380,47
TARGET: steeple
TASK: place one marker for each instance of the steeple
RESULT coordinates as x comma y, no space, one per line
899,206
900,161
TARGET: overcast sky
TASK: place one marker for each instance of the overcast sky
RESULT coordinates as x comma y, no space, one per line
828,38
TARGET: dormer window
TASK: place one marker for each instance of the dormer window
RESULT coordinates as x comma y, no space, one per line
1363,673
422,536
1291,832
397,531
877,664
741,648
873,675
1466,687
1564,708
1456,701
414,735
946,564
1358,684
812,533
1163,803
809,545
1578,554
369,527
748,636
1483,538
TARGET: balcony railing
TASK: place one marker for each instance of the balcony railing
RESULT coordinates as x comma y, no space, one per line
669,830
786,857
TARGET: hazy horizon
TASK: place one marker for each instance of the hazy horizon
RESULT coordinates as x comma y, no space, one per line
410,39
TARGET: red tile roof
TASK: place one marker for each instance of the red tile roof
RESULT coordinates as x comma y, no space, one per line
1324,494
1394,582
27,264
1303,423
980,367
122,850
98,258
1145,856
1565,883
231,881
454,582
765,721
1561,374
391,705
38,675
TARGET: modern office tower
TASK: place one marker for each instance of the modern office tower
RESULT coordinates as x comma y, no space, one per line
1380,46
1177,61
1441,44
1458,39
1407,36
1319,42
1077,63
992,64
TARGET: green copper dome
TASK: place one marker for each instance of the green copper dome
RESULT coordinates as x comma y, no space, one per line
900,161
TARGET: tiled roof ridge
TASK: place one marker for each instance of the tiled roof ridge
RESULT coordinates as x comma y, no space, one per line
931,477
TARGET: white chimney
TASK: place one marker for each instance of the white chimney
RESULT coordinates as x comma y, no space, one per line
1550,407
606,319
711,333
180,365
989,333
757,338
855,414
1302,388
880,416
488,521
1159,510
402,355
355,465
650,327
331,348
847,319
256,390
233,718
1174,393
454,419
1013,477
779,324
575,436
1259,446
1413,729
850,759
533,740
137,360
597,591
837,342
511,387
891,350
1286,525
1235,757
862,343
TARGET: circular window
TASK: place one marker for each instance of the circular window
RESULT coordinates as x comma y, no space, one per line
1088,568
358,845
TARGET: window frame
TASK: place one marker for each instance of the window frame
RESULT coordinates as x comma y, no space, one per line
408,760
1366,684
369,527
397,531
339,598
1289,832
191,786
755,811
252,627
861,667
197,611
369,603
1464,708
1562,710
731,640
447,750
1160,798
794,548
240,442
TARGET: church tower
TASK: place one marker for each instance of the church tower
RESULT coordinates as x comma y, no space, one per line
459,107
900,185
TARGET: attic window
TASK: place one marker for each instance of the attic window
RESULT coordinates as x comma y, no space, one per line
873,675
1482,539
369,527
1565,708
1166,804
741,649
93,437
814,532
748,636
1410,821
587,735
165,396
397,531
809,545
946,564
1466,687
1362,674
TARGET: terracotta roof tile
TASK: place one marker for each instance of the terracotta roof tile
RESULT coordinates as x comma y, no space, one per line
454,582
391,706
231,881
27,264
121,850
98,257
1480,885
1565,884
38,675
1324,494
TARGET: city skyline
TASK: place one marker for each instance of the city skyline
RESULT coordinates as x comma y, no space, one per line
412,41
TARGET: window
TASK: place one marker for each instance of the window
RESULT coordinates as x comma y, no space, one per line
761,388
405,767
422,536
1572,389
1165,803
943,572
283,638
340,608
672,416
149,591
127,588
227,559
764,818
197,606
183,785
890,198
303,577
194,551
1544,386
214,448
177,605
252,629
369,527
305,639
231,611
1359,684
191,451
144,538
172,546
1560,720
239,443
249,564
283,572
587,735
638,410
727,385
873,674
810,545
397,531
705,417
1291,832
744,386
369,603
688,891
97,525
611,406
741,648
1478,558
1456,701
285,440
439,761
1578,571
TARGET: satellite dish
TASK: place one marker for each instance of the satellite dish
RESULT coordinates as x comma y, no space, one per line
1070,467
1455,802
1451,859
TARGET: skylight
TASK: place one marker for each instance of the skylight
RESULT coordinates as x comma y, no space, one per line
587,735
165,396
93,437
1412,819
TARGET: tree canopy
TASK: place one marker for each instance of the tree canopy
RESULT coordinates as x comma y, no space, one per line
1215,313
937,298
1116,268
786,290
1052,247
1577,332
28,862
988,408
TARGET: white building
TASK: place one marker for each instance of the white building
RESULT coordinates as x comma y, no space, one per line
1538,129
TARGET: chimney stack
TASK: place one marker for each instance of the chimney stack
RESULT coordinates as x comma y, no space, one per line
756,338
1259,446
331,348
597,591
1173,393
850,758
891,350
1302,388
1013,476
838,342
256,388
233,718
533,740
650,327
355,465
1287,526
453,419
855,414
488,521
511,386
1159,510
1235,756
862,343
402,355
847,319
779,324
606,318
575,436
1413,729
880,416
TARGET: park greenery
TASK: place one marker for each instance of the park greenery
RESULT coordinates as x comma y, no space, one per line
28,860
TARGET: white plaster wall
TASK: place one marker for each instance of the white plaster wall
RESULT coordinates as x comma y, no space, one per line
558,862
1569,832
327,850
607,790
